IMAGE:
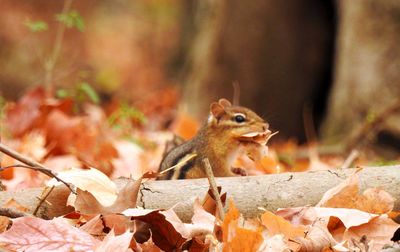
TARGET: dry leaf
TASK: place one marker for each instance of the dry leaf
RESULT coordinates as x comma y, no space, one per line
278,225
317,238
86,203
307,215
118,222
112,243
244,240
209,204
93,181
379,231
127,164
23,115
276,243
164,235
94,226
185,126
347,195
62,162
236,237
34,234
5,222
202,222
149,246
230,218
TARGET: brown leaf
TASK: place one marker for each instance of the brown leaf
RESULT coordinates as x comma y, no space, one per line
34,234
94,226
245,240
164,235
91,180
230,218
128,161
278,225
149,246
119,223
237,238
185,126
202,222
115,243
347,195
379,231
209,203
307,215
22,116
317,238
277,243
86,203
5,222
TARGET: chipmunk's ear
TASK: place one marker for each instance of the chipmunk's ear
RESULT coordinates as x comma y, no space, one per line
217,110
224,103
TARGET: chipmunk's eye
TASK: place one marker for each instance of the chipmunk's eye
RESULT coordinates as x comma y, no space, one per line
239,118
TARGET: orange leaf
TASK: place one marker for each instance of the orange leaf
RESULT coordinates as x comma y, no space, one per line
4,223
245,240
379,230
185,126
231,216
269,164
347,195
278,225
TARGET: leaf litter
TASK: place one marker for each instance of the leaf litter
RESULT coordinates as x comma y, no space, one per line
107,219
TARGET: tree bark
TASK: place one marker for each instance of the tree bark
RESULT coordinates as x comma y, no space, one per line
273,49
367,69
249,193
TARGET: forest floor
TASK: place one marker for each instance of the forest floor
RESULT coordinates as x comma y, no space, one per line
47,141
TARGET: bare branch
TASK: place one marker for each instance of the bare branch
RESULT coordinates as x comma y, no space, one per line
31,164
42,200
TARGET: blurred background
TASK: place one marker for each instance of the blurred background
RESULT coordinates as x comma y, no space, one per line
326,70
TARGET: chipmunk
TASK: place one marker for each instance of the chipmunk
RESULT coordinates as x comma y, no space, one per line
228,132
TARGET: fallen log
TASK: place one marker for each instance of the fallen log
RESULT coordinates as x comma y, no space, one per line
250,194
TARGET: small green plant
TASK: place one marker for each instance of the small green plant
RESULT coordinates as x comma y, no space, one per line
36,26
125,113
71,19
80,94
67,18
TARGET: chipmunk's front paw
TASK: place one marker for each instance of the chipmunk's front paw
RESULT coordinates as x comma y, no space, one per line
239,171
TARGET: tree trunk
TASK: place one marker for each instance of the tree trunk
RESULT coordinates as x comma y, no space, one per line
278,51
367,69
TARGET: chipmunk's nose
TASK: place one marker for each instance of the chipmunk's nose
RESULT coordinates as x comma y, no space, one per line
265,126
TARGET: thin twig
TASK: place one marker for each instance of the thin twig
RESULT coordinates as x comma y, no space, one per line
12,213
51,62
311,134
213,186
17,166
354,154
42,200
31,164
236,93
